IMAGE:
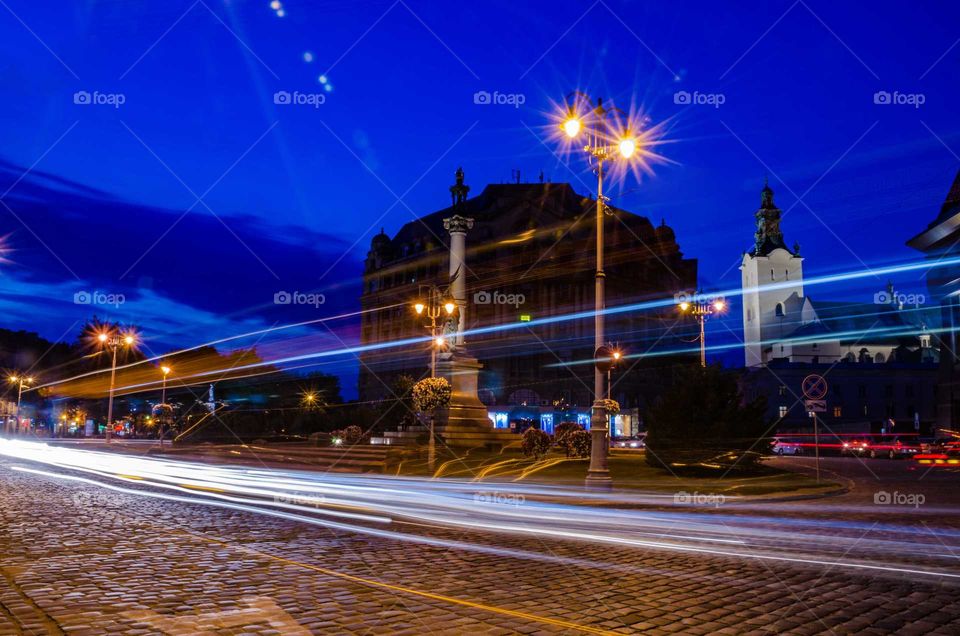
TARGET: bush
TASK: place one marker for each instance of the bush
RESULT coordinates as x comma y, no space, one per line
429,394
562,431
578,442
536,443
703,422
352,435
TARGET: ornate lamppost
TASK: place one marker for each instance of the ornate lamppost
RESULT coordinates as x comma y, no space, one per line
21,381
702,308
604,143
114,340
433,303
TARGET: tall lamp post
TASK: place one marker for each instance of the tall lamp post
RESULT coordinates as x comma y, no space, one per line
434,304
21,381
702,308
165,370
603,144
114,340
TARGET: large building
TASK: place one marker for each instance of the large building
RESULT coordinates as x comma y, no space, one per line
530,256
940,241
879,358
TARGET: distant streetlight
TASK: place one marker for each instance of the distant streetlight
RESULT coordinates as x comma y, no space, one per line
433,303
165,370
114,340
604,143
702,308
21,381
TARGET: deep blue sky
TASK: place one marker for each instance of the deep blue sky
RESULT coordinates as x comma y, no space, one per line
298,191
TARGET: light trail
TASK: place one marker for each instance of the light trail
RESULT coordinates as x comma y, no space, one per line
365,504
518,325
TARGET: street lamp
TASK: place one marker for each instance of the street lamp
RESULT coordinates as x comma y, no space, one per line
114,340
702,308
603,144
21,381
165,370
433,303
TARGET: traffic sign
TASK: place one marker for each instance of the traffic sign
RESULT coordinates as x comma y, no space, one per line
814,387
816,406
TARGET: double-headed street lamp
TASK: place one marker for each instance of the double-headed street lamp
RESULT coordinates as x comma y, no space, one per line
702,308
21,381
165,370
115,339
605,142
433,303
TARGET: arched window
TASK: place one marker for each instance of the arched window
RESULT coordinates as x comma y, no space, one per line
779,310
524,397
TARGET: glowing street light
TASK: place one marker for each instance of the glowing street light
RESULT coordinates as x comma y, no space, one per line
572,127
702,308
21,381
115,339
434,303
165,370
603,144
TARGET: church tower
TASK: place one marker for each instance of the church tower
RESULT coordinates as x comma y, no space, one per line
772,283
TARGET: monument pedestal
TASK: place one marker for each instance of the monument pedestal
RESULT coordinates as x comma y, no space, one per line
464,422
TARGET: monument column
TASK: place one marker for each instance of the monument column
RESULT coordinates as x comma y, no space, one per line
457,226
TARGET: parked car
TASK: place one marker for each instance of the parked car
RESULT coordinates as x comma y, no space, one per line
855,447
787,447
893,448
634,442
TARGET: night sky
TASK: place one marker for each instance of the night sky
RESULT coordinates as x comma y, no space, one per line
198,198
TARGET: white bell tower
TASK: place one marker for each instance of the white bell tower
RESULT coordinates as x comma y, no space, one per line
772,284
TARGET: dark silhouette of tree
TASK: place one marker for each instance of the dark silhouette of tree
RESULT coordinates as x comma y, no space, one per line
702,421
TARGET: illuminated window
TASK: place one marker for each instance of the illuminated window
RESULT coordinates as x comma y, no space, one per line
583,419
546,422
837,411
784,410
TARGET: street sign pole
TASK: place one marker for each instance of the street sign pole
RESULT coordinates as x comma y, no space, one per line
816,444
815,390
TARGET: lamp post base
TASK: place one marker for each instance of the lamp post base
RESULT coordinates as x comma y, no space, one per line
598,480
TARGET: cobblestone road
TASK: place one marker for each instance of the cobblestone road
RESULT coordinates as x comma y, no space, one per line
78,559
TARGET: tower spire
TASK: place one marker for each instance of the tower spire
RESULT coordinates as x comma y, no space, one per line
768,235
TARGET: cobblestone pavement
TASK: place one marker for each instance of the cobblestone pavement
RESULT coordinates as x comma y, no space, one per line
79,559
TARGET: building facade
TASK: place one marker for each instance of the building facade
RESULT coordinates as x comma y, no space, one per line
940,241
529,267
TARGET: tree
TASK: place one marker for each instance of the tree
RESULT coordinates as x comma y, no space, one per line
703,421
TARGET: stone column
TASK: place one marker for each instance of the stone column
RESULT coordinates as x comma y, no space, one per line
457,226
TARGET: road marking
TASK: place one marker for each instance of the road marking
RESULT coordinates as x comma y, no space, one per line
408,590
